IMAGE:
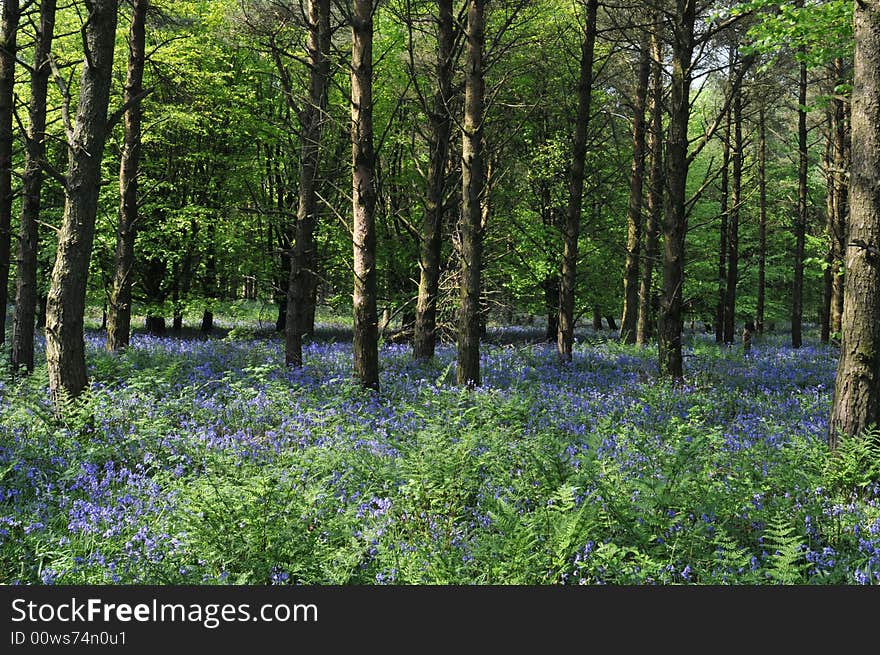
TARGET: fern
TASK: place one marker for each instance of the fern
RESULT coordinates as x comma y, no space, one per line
787,563
731,560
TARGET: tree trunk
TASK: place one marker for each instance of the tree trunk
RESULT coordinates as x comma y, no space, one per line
840,165
551,303
572,228
630,318
424,337
800,224
762,219
65,305
473,186
119,318
654,207
32,181
828,272
675,214
733,223
366,329
8,53
723,230
856,403
304,258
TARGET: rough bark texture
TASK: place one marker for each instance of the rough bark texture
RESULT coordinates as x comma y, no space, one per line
473,183
800,223
304,258
8,52
655,191
366,329
856,403
424,337
762,219
630,317
840,167
572,225
65,304
119,314
24,315
674,214
733,222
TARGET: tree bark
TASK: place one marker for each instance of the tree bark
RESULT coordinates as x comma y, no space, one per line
572,225
762,218
24,314
654,206
473,188
630,317
8,53
723,230
675,214
119,315
733,223
800,223
366,329
304,257
424,337
65,305
840,166
856,402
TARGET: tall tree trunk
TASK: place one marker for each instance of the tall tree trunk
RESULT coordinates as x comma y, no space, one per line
830,211
762,218
723,230
8,53
856,403
304,258
840,166
655,190
32,181
424,338
366,329
473,188
800,224
572,226
65,305
119,316
733,223
630,318
675,214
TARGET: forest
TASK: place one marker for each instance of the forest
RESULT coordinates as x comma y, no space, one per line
521,292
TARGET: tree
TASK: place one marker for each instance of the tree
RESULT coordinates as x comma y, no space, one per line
800,222
424,337
119,314
629,321
856,401
8,53
366,332
572,226
32,181
473,187
65,306
303,260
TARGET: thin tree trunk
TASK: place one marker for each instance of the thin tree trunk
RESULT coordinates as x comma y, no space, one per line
675,214
24,314
762,219
119,316
723,231
840,165
856,403
473,188
630,318
366,329
830,211
425,338
304,259
8,53
800,224
655,190
572,226
733,223
65,305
